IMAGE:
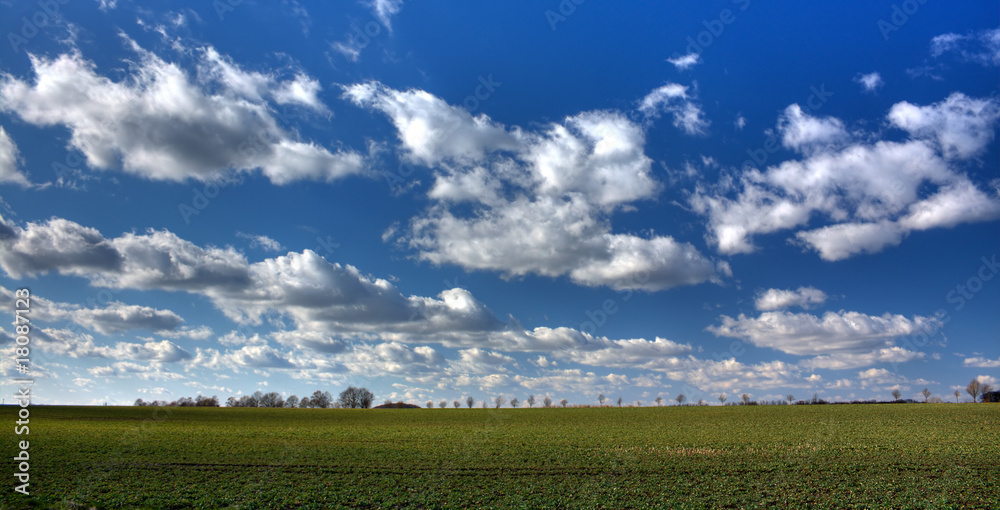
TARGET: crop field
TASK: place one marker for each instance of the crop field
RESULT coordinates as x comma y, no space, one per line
826,456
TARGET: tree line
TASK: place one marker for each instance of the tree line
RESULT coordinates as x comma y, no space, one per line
362,398
351,398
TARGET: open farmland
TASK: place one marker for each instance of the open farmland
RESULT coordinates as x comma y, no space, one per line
843,456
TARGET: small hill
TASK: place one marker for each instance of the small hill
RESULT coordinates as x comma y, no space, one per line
397,405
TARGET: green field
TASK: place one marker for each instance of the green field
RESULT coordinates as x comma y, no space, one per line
828,456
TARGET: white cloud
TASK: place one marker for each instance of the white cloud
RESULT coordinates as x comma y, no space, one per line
10,162
871,193
261,241
161,124
552,190
776,299
981,362
805,334
685,62
982,47
805,133
119,318
870,82
961,126
848,360
988,379
384,10
674,99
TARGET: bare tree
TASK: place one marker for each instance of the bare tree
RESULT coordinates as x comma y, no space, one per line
745,398
430,405
680,399
547,402
564,402
957,394
443,404
305,402
927,394
789,398
457,404
722,398
531,401
896,394
619,401
469,401
514,401
499,401
355,398
975,388
600,399
321,399
659,400
292,401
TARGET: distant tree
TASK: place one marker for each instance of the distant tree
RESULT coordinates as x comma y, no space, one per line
564,402
927,394
958,393
789,398
547,402
619,401
600,399
430,405
232,402
745,398
484,404
355,398
975,388
271,399
457,404
203,401
443,404
531,401
499,401
722,398
983,390
292,401
321,399
659,400
680,399
513,402
469,401
305,402
896,394
701,401
638,403
139,402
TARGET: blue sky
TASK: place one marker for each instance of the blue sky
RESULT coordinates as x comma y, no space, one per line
441,200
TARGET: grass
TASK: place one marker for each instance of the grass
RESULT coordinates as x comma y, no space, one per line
843,456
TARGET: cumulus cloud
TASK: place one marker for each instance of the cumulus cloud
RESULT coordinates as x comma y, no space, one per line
119,317
10,162
776,299
685,62
675,100
552,190
981,362
161,123
805,133
961,126
261,241
805,334
870,82
871,193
